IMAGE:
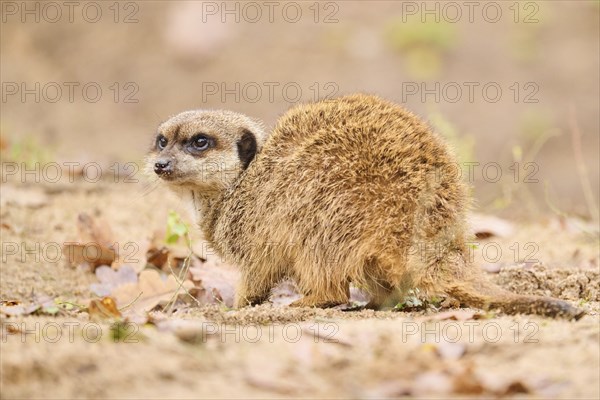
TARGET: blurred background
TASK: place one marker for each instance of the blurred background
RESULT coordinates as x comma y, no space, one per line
513,85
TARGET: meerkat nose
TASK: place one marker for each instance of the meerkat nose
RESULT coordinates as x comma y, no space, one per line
163,167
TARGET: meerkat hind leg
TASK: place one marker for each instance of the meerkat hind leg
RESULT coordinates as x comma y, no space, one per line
382,295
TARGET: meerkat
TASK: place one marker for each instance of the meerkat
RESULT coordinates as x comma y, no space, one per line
342,191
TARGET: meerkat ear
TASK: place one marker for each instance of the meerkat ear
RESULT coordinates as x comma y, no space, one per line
246,147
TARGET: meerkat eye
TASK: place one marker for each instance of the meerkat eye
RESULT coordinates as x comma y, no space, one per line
200,143
161,142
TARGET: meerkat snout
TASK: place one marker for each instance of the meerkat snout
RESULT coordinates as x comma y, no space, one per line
163,167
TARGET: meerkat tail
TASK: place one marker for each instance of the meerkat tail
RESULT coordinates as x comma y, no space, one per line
487,296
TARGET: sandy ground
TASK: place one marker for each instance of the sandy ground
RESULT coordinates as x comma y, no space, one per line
275,351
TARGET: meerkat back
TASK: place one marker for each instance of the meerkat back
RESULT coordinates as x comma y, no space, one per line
341,192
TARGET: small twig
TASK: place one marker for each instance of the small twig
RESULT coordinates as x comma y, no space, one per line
73,304
131,303
180,280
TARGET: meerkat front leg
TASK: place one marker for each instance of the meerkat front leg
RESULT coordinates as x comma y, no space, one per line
255,286
250,294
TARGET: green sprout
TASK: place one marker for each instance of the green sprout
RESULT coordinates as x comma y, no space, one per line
176,228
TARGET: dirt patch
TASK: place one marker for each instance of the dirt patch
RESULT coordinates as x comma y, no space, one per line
542,281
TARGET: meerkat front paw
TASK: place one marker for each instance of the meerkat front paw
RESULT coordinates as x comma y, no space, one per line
312,301
245,301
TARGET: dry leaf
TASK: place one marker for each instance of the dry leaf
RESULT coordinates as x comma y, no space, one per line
95,246
467,382
4,144
111,279
217,282
150,291
134,255
43,304
94,230
176,258
91,254
13,308
157,256
516,387
103,309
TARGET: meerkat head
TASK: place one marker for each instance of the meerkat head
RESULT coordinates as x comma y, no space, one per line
204,150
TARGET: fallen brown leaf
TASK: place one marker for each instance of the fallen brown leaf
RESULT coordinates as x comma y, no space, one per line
516,387
216,282
467,382
94,230
15,308
103,309
176,258
41,304
133,255
150,290
91,254
95,246
157,256
109,279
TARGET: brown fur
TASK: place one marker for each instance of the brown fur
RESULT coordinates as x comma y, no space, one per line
348,190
